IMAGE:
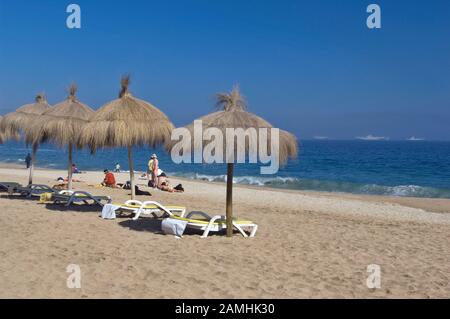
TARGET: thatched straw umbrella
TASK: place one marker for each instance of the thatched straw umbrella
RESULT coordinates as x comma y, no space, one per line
62,124
125,122
17,122
233,115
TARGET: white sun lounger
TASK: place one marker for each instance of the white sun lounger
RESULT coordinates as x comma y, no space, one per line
150,208
217,223
206,223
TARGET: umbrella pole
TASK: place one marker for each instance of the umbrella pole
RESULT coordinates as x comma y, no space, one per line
230,167
69,171
130,164
33,157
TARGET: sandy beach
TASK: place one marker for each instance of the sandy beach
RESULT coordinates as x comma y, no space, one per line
309,245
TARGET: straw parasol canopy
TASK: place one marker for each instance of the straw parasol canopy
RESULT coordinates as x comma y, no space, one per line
61,125
233,114
125,122
15,123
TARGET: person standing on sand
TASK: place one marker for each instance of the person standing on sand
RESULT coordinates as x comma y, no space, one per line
28,160
149,170
152,171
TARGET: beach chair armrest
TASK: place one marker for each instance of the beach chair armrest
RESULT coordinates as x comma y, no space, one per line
142,206
133,202
201,214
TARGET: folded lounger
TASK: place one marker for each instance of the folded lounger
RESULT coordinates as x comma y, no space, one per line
70,197
33,190
8,187
150,208
216,223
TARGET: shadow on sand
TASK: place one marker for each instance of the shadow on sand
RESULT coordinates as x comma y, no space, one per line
74,208
153,225
143,225
55,207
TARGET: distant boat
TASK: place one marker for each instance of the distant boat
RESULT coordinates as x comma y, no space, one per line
370,137
413,138
321,137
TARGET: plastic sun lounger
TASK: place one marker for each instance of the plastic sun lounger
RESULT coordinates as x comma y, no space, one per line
9,187
28,191
150,208
71,197
216,224
33,190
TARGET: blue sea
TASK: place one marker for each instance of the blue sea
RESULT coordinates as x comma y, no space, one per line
395,168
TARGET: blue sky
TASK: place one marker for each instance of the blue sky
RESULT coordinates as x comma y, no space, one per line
311,67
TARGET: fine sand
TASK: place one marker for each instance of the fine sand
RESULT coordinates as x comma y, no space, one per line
309,245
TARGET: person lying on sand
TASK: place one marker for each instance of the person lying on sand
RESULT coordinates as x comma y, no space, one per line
61,186
66,180
164,185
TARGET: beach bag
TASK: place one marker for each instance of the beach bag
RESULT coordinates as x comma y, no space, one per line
127,185
139,192
170,226
179,187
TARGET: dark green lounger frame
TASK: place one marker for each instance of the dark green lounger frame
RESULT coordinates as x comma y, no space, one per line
79,196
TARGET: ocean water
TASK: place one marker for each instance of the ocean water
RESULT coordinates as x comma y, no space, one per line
395,168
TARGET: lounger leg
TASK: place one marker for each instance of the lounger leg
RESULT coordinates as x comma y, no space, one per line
208,227
253,233
97,201
206,232
70,201
137,214
240,230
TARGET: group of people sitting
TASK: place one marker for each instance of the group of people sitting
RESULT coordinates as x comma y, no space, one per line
75,169
156,178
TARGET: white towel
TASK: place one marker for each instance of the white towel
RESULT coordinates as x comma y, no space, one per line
170,226
109,211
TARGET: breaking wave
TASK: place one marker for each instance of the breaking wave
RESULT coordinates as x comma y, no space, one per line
325,186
